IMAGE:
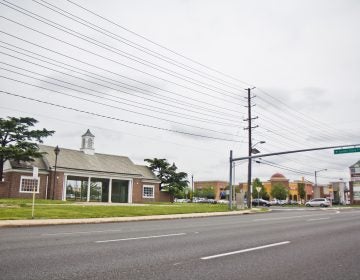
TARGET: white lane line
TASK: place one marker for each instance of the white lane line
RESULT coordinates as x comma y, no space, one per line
290,217
318,219
81,232
245,250
142,237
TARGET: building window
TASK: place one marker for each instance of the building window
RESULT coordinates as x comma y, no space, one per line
29,184
148,191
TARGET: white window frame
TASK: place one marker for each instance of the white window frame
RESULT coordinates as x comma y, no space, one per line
29,178
150,187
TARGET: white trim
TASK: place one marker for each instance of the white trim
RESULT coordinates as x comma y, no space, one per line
88,190
84,175
29,178
99,174
110,190
46,187
64,188
27,171
148,186
130,190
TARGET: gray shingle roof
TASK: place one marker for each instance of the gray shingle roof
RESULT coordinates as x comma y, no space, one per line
147,173
78,160
73,159
88,133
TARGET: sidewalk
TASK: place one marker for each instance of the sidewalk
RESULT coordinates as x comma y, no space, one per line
45,222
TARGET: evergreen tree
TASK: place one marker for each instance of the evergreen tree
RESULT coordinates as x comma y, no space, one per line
18,141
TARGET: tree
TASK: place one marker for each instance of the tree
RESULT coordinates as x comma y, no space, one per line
279,191
17,141
263,194
301,190
171,180
160,167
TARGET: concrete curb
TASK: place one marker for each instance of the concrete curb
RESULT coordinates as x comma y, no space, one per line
46,222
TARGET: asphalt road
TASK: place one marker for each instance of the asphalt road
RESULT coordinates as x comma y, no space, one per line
284,244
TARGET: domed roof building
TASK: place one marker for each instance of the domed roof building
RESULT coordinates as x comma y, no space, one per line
278,177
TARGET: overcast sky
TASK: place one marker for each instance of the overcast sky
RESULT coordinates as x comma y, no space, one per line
167,79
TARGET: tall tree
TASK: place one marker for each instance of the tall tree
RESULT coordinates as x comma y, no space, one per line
18,141
171,180
301,190
279,191
160,167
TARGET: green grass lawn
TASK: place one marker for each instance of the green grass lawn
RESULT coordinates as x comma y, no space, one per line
17,209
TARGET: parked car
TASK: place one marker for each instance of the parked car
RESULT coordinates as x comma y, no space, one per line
279,202
260,202
322,202
223,201
181,200
294,202
70,196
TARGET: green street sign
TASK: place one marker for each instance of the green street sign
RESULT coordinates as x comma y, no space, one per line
347,151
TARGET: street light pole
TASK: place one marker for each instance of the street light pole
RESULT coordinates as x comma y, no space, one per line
316,172
192,187
56,151
251,151
230,180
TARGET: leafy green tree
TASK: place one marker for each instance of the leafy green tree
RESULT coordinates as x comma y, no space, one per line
171,180
279,191
301,190
263,194
17,140
160,167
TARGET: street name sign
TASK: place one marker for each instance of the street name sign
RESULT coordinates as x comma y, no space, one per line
347,151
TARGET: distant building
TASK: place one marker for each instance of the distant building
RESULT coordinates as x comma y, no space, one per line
218,187
292,187
355,183
339,193
82,175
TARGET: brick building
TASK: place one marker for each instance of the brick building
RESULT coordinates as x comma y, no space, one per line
217,186
82,175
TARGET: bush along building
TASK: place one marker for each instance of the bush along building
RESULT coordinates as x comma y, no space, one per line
83,176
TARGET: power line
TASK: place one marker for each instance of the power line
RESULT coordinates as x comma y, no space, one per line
300,115
157,44
182,145
134,45
116,119
117,62
114,107
309,173
111,72
96,83
167,112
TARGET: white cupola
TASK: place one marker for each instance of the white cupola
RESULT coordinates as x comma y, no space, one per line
87,143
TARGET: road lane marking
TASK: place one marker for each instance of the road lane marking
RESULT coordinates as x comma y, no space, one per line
318,219
290,217
81,232
142,237
245,250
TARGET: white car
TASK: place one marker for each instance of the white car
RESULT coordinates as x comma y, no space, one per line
322,202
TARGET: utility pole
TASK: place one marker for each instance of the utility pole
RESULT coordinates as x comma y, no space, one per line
192,187
249,128
230,181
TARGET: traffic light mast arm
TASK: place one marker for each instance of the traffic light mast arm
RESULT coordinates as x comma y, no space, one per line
293,151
